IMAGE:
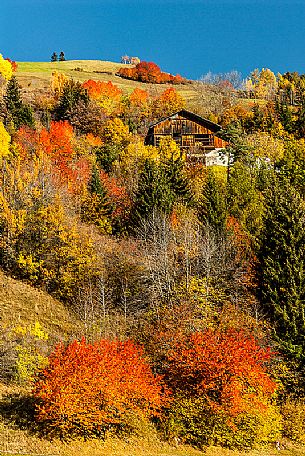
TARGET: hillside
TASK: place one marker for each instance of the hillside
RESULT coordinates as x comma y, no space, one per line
35,76
21,304
171,265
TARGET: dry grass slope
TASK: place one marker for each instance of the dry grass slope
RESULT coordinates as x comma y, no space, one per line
22,304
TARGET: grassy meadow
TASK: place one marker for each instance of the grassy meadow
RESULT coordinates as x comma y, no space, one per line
36,76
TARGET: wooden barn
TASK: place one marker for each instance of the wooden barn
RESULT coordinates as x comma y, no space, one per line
194,134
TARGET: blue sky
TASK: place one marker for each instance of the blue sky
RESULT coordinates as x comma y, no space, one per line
190,37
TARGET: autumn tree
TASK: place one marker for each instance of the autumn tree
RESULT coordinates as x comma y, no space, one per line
87,389
219,381
6,68
137,109
149,72
106,94
58,82
5,140
86,117
119,200
167,103
263,83
115,137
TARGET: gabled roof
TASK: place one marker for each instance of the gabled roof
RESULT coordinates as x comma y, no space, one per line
193,117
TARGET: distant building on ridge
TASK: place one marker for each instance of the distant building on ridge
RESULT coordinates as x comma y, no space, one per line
125,59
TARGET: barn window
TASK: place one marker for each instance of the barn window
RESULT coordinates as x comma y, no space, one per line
187,140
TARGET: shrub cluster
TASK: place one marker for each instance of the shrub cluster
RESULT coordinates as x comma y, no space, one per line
150,72
215,390
88,389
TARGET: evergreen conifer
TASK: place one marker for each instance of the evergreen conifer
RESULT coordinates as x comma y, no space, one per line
177,180
73,93
281,271
212,208
18,112
54,57
97,188
154,193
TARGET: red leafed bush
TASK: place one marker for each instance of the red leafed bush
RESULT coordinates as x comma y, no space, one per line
149,72
88,387
226,368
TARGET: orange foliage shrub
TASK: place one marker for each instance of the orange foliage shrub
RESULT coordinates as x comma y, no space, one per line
57,144
149,72
93,140
226,368
139,97
99,89
86,388
168,102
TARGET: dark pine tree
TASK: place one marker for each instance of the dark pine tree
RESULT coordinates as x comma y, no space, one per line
285,116
72,95
18,113
96,208
174,174
54,57
281,267
154,193
212,208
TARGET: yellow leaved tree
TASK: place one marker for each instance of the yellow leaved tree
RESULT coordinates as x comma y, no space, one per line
6,69
5,141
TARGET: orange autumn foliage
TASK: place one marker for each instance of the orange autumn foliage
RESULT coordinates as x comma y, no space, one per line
168,102
87,387
58,141
100,89
93,140
139,97
226,368
149,72
106,94
56,144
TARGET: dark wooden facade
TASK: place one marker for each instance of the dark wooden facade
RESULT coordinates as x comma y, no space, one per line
193,133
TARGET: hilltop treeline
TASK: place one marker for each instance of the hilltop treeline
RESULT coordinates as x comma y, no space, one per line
188,280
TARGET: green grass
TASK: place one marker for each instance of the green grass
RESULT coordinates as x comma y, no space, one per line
35,76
